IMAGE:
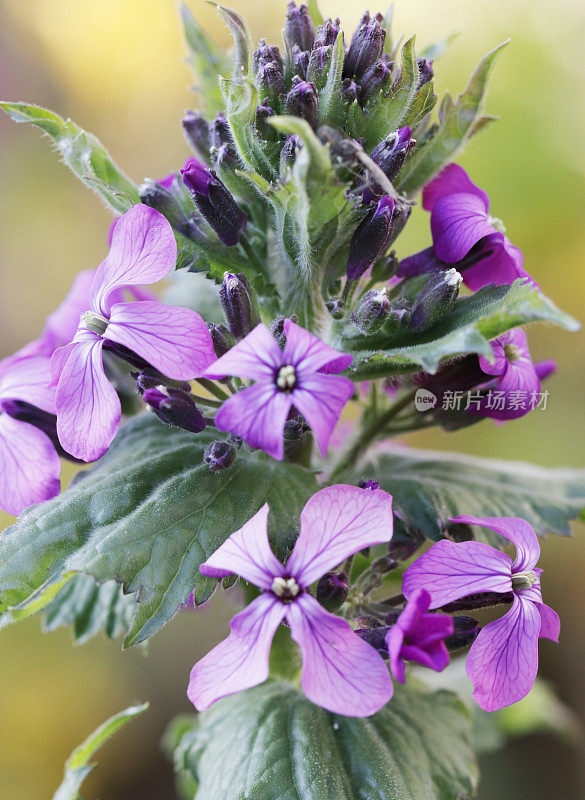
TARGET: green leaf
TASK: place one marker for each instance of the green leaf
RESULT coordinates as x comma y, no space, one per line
147,515
207,61
438,49
82,152
271,742
473,321
457,120
78,764
315,12
429,487
331,105
241,99
243,44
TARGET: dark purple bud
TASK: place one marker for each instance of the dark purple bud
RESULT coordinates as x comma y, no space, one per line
391,153
371,238
214,201
219,455
425,71
220,142
465,631
327,33
277,329
332,590
372,310
298,26
288,152
319,62
402,212
174,407
479,600
264,129
459,532
374,80
266,54
367,483
385,268
376,637
403,550
336,307
221,338
295,428
156,196
270,83
239,303
366,46
301,101
383,565
435,299
300,62
349,90
196,130
149,380
43,420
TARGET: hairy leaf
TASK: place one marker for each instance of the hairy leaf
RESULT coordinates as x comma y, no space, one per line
207,61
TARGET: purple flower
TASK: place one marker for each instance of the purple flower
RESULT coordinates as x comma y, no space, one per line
503,661
214,201
29,464
418,636
174,340
340,671
296,376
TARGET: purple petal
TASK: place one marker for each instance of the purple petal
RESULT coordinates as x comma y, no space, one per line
174,340
28,379
501,266
321,399
61,325
458,222
143,251
449,571
452,180
240,661
394,644
335,523
256,357
257,414
545,368
309,354
246,553
517,531
29,466
503,661
417,264
550,624
340,671
432,656
88,408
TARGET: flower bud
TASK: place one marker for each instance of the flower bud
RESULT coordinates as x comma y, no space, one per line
239,304
295,428
266,54
288,152
349,90
459,532
332,590
385,268
301,101
174,407
221,339
374,80
43,420
277,329
480,600
367,483
270,84
214,201
425,72
390,156
220,143
196,130
336,307
371,238
372,310
376,637
298,26
403,550
435,299
219,455
366,46
319,62
156,196
327,33
261,117
465,631
300,62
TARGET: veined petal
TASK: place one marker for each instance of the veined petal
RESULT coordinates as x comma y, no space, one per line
517,531
176,341
143,250
449,571
503,661
246,553
452,180
458,221
500,267
256,357
336,523
29,466
340,671
320,399
550,623
62,324
257,414
88,408
29,379
308,354
241,660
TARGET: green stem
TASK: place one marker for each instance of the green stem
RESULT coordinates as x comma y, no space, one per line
213,388
251,254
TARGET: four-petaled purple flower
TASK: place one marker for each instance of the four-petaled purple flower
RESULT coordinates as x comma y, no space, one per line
340,671
418,636
503,661
174,340
296,376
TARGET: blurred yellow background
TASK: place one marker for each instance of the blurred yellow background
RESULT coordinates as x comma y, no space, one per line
116,68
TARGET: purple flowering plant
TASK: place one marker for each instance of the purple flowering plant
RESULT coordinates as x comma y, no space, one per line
257,451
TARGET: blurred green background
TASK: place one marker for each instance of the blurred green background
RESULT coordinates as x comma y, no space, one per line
116,68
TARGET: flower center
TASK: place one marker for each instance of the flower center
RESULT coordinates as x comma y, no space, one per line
511,352
286,378
497,224
523,580
94,322
285,588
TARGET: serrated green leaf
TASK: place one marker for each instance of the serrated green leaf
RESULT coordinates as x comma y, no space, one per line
331,105
206,60
85,155
241,100
272,742
422,105
147,515
456,123
78,764
429,487
438,49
